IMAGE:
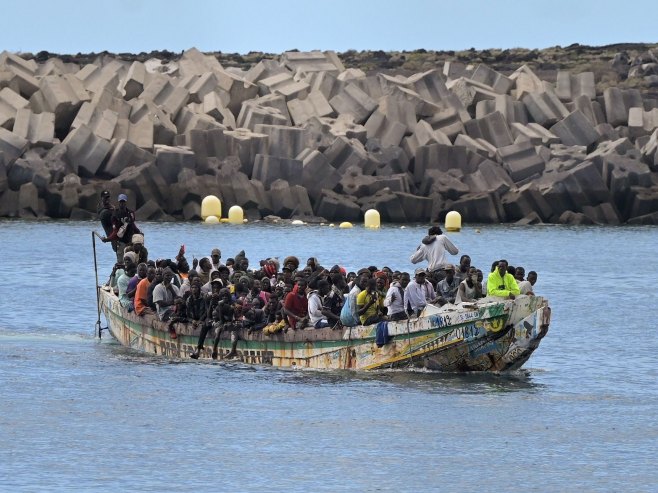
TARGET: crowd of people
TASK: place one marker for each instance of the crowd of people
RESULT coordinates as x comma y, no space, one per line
279,296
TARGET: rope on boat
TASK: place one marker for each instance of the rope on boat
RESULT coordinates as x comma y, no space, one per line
98,329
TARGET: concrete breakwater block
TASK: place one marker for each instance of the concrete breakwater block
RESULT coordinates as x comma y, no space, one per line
412,144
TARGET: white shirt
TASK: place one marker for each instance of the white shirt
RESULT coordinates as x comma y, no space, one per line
162,293
314,307
435,252
525,287
418,295
394,300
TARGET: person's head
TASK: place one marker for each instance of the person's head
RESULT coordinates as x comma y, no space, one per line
195,289
215,287
434,230
312,262
245,282
372,284
167,275
138,242
362,281
494,265
123,201
215,255
205,264
150,273
405,279
472,274
287,273
141,270
192,276
450,272
255,286
380,283
129,259
105,197
420,276
301,286
532,277
183,265
225,294
230,262
223,273
480,275
338,280
511,270
502,267
266,284
323,287
519,274
215,275
464,263
351,276
158,275
131,270
196,281
243,264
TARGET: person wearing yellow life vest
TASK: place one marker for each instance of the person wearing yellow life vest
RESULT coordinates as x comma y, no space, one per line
502,284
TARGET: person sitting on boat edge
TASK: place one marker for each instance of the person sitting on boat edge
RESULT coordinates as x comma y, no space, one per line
295,306
316,292
122,283
527,286
156,280
501,283
166,297
134,281
433,248
141,293
469,289
370,302
394,300
461,272
448,286
419,293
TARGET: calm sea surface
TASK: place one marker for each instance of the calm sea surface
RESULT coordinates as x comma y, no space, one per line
77,414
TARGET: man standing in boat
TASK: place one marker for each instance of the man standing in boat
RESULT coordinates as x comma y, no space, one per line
105,213
433,248
123,226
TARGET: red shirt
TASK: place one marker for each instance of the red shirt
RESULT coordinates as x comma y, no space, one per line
297,305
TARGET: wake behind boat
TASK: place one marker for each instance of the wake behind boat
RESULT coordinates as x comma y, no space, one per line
488,335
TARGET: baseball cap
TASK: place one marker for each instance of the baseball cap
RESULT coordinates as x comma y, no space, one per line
123,197
420,271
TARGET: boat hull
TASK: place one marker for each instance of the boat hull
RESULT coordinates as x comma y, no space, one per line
492,335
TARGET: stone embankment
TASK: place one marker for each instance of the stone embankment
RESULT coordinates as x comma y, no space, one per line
301,135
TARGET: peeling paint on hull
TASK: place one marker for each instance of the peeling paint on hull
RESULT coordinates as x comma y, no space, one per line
493,335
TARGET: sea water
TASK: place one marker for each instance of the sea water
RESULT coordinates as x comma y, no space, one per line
79,414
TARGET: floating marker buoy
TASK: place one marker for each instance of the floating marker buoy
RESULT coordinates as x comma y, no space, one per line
211,206
453,221
212,220
297,222
332,225
477,231
345,225
371,219
236,215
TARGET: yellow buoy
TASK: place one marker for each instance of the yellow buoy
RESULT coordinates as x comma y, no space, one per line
453,221
211,206
236,215
345,225
212,220
371,219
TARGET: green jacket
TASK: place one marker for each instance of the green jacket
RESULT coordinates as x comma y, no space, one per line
502,286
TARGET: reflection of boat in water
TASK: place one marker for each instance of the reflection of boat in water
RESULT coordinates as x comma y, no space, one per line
491,335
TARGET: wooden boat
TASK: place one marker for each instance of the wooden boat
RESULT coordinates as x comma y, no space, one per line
490,335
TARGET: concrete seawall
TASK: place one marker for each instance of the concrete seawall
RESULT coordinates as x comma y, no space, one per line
303,135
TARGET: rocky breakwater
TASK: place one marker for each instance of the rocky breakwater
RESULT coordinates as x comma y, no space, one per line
301,135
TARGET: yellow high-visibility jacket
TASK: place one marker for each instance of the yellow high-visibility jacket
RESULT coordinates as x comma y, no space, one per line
502,286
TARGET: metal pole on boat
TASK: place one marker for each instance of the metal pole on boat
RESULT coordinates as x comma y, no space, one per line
98,329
